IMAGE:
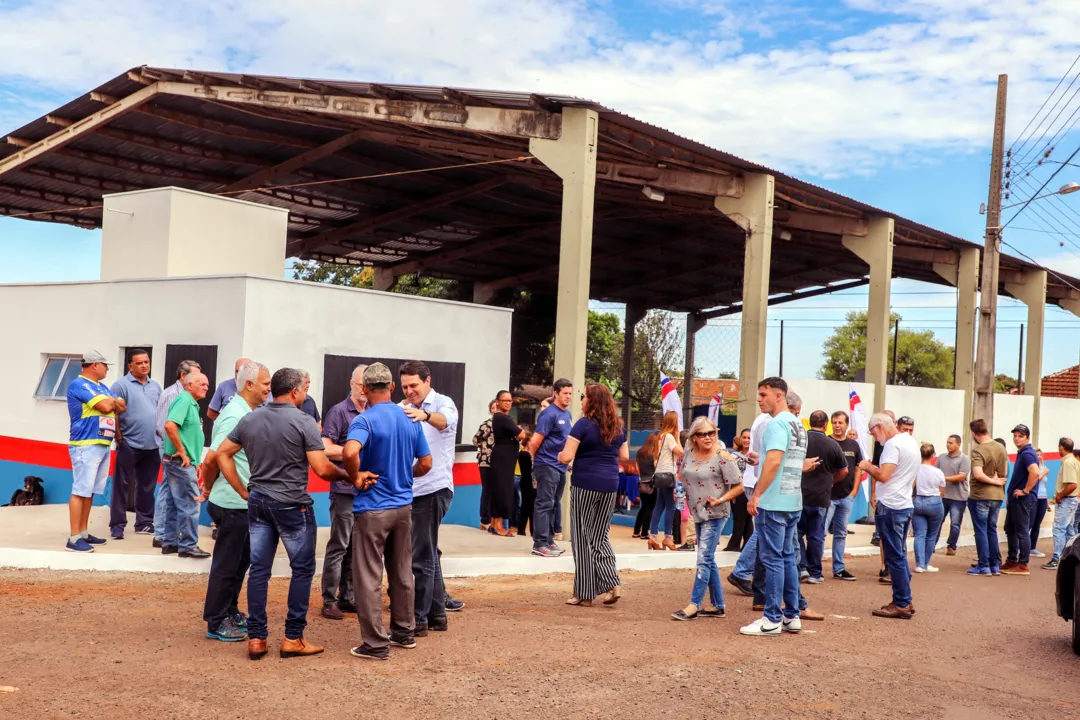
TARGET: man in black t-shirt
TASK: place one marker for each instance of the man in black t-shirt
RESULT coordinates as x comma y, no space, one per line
817,486
843,494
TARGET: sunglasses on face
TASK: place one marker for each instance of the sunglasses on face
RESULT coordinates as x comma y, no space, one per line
709,433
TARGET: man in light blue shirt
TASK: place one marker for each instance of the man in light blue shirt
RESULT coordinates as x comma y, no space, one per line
777,503
225,391
137,457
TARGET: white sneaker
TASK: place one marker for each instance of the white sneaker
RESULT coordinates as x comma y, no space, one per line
920,570
761,626
931,568
792,625
1037,553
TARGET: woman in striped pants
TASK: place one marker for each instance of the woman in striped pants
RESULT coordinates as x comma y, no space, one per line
596,444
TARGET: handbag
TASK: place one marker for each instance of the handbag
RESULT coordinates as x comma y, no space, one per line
663,480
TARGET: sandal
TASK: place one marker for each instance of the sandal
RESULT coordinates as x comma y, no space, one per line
681,615
579,602
611,596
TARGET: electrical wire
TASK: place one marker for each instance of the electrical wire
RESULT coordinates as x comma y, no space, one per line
1037,112
1041,188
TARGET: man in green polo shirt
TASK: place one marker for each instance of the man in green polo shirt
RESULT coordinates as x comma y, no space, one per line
227,506
183,451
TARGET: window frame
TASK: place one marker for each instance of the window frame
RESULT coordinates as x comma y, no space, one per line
49,357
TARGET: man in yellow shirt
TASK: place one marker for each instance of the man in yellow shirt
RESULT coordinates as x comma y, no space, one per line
1066,500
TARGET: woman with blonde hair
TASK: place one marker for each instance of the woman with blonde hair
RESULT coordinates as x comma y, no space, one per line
596,445
711,479
667,454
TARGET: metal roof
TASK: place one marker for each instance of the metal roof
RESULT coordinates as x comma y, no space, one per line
496,223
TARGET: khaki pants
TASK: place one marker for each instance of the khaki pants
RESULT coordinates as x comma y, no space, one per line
377,534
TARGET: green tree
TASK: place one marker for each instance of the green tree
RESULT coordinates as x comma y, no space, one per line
360,276
922,359
1003,383
603,349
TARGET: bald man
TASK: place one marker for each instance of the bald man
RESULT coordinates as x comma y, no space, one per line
225,392
184,442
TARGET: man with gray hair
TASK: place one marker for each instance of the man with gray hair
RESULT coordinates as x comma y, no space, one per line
309,405
894,477
163,507
338,594
184,441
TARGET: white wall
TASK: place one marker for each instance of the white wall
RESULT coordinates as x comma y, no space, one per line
1013,410
937,413
830,395
1058,418
72,318
296,323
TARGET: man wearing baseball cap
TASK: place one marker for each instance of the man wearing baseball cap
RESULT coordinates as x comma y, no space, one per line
92,408
1021,503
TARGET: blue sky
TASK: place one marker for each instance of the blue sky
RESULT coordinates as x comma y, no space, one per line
887,101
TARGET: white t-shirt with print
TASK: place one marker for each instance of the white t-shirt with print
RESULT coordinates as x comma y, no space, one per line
901,450
929,481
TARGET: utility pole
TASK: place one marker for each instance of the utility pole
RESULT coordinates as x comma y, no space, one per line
1020,365
984,363
781,373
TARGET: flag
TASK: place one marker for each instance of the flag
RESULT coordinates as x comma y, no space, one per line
862,429
714,409
669,398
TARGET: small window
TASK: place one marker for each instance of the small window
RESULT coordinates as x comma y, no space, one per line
59,371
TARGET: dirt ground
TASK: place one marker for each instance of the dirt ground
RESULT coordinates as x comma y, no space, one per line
117,646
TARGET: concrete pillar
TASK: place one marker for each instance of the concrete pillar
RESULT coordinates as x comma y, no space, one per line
1032,292
384,279
753,212
876,250
573,158
482,294
693,324
634,313
964,275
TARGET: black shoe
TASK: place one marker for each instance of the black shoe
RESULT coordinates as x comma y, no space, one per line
438,625
196,554
717,613
420,631
745,587
680,615
875,541
453,605
346,607
169,549
405,641
843,575
366,654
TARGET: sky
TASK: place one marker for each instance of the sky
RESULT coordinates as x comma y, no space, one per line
887,101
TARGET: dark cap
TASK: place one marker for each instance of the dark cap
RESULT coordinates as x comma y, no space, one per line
1023,430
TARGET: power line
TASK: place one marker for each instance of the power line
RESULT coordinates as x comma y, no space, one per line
1037,112
1041,188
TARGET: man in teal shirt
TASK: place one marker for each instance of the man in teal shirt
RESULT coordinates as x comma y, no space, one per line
228,509
183,450
777,502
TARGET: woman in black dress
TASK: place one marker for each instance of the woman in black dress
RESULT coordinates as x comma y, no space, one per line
504,455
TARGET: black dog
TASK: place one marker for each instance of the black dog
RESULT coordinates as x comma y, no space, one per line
31,494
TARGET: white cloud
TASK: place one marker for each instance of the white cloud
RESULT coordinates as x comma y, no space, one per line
921,83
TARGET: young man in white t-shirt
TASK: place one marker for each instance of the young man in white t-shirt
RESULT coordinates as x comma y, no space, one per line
742,574
894,479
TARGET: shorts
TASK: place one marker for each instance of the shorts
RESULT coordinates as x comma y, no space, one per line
89,469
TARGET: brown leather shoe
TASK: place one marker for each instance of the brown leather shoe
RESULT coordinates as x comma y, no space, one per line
758,608
256,649
950,552
331,611
809,614
1017,569
298,648
894,612
1007,565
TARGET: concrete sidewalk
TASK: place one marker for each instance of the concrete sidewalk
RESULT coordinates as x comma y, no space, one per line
34,537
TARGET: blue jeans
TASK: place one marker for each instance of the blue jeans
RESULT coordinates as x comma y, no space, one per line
984,517
841,512
776,547
549,482
662,513
294,525
708,575
955,510
892,528
181,523
744,566
1018,514
812,539
927,519
1064,519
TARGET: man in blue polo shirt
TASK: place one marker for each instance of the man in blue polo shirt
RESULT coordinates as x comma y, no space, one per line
379,454
137,457
92,409
1021,497
552,428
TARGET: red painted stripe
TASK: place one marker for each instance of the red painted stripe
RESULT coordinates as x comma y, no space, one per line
464,474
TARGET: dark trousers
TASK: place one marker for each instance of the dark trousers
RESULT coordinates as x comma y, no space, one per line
1037,516
485,496
140,467
1018,527
232,556
742,525
811,534
337,581
644,513
379,535
528,503
294,525
429,588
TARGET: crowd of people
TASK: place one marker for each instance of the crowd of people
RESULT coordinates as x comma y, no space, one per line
390,467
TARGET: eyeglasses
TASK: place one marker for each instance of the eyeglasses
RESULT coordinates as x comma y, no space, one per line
710,433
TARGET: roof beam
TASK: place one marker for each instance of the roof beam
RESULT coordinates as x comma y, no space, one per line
497,121
462,251
791,297
813,222
77,129
18,141
926,255
317,243
266,175
221,127
687,181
